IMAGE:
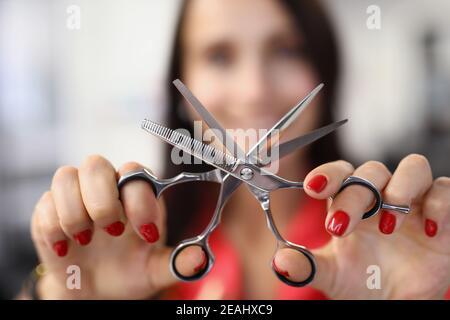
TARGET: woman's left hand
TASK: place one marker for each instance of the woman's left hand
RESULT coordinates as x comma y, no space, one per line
412,251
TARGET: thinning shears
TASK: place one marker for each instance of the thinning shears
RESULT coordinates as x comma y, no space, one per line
232,170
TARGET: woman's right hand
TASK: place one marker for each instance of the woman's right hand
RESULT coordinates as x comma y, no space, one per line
117,242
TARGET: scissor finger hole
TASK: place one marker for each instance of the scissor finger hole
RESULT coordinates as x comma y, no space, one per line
293,266
377,203
190,262
142,175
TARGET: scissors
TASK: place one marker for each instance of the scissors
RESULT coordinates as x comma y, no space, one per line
231,171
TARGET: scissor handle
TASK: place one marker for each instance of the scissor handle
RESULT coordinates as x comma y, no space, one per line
144,175
282,243
286,244
378,205
227,188
200,241
159,185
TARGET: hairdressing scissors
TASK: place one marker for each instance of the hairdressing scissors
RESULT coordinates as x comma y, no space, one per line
234,168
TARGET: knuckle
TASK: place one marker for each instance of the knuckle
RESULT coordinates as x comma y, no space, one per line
50,229
34,221
46,196
345,164
437,204
64,173
94,163
443,182
44,202
417,160
37,237
100,210
357,194
35,229
397,196
71,225
376,166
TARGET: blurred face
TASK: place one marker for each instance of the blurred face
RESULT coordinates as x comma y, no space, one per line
244,60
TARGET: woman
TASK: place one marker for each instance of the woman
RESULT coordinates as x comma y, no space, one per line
248,62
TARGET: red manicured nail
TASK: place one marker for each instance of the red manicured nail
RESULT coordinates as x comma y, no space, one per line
202,265
338,223
278,270
430,228
60,248
150,232
317,183
83,237
115,229
387,222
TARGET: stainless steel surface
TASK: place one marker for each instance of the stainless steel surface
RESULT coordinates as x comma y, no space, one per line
232,171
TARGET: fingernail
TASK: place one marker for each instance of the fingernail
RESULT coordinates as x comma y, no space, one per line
60,247
317,183
387,222
150,232
115,229
338,223
430,228
202,265
278,270
83,237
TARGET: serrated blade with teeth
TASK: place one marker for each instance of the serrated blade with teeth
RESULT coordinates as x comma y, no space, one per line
204,152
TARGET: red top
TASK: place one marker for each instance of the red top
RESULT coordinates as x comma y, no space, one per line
224,281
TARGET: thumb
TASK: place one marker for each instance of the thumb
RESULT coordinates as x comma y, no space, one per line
189,261
296,267
325,278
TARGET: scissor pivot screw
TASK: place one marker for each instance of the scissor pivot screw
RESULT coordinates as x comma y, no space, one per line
246,173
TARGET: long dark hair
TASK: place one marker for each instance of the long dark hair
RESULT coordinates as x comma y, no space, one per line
185,202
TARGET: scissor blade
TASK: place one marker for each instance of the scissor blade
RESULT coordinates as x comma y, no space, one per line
204,152
287,119
212,123
299,142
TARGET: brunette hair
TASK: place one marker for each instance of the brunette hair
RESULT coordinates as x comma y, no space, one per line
185,202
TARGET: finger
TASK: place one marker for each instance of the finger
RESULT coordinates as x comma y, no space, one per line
410,181
45,252
292,264
50,228
349,205
296,267
36,235
72,214
140,206
158,273
436,206
98,185
191,261
325,180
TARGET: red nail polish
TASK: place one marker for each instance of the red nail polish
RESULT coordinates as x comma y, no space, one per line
83,237
60,247
150,232
115,229
278,270
387,222
338,223
202,265
317,183
430,228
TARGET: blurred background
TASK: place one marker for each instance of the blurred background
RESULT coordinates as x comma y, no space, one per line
68,90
